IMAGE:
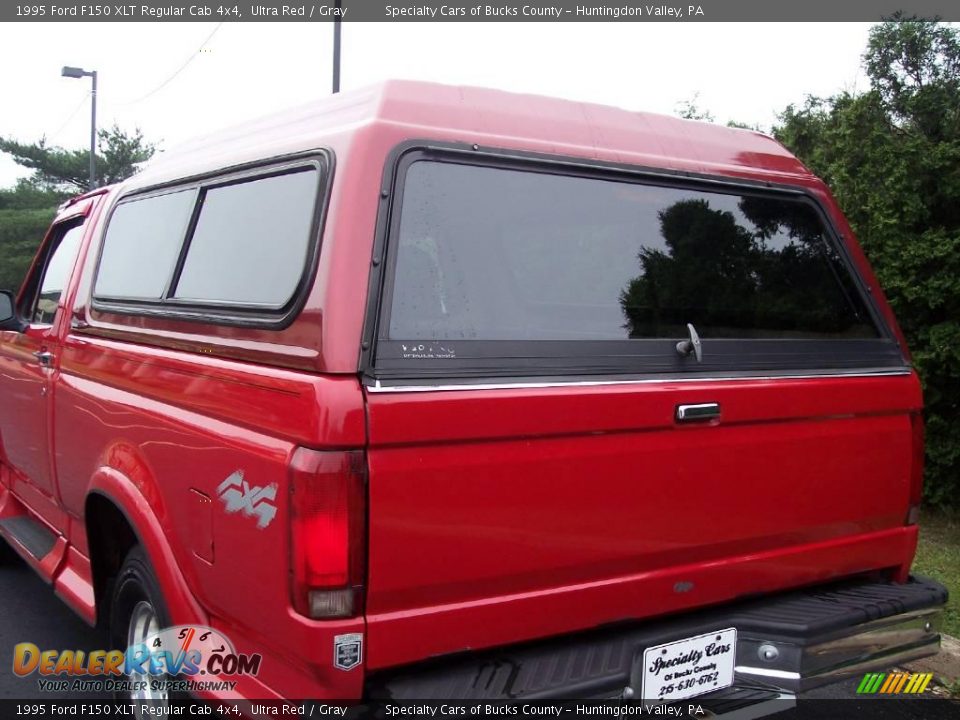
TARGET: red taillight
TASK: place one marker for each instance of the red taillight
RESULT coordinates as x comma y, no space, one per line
916,469
327,531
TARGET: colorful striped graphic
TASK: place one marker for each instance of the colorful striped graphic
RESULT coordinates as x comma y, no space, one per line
898,683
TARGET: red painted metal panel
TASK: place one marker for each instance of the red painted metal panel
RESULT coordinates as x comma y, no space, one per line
535,493
408,635
74,584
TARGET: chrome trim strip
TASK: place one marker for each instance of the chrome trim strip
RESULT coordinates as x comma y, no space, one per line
765,672
378,387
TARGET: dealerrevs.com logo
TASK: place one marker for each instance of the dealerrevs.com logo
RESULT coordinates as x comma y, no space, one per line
184,658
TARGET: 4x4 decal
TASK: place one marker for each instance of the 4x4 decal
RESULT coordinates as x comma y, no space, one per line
238,496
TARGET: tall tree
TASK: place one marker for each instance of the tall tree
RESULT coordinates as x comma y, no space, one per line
68,170
891,155
690,110
25,195
27,208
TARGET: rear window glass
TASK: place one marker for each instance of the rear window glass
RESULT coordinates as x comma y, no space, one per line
251,241
142,244
488,253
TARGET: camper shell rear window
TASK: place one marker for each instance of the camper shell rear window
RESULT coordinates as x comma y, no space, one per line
514,266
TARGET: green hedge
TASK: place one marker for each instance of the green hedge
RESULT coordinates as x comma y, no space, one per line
20,234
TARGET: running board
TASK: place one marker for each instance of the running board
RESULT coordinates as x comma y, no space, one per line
32,535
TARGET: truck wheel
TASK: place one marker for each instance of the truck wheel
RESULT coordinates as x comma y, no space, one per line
137,611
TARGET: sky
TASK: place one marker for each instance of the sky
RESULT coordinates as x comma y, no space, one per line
177,80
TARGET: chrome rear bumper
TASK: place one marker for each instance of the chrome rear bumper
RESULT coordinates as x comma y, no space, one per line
877,645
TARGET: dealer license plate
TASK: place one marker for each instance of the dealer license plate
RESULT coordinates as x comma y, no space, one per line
689,667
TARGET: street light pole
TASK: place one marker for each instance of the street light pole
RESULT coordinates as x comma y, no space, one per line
93,131
336,46
75,72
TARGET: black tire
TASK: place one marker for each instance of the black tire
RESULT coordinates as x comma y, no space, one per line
136,591
7,554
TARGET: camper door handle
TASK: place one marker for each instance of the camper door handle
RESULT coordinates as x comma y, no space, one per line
699,412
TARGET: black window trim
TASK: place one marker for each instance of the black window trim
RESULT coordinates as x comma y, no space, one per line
377,367
224,312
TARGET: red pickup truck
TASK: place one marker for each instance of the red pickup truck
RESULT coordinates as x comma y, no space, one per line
440,392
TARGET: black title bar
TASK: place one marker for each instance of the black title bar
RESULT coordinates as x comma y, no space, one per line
933,709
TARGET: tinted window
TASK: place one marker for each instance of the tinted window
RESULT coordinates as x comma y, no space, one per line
251,241
142,244
494,254
56,275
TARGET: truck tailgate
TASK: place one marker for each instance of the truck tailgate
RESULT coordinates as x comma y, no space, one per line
502,515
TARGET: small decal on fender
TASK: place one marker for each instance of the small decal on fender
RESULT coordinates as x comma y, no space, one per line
256,502
347,651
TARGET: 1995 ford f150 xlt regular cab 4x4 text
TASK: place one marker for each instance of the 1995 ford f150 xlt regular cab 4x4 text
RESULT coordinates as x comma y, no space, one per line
424,392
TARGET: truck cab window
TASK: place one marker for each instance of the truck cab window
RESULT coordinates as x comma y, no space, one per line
56,273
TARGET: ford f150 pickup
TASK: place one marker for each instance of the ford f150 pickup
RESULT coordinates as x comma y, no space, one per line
428,392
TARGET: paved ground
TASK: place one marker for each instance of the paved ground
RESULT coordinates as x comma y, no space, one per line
30,612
